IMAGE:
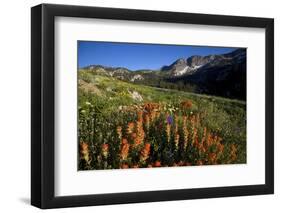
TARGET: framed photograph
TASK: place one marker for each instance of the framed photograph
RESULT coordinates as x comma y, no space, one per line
139,106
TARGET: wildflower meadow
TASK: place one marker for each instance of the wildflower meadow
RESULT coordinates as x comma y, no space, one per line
115,132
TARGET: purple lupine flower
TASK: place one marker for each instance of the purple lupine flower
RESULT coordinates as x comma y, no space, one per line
169,119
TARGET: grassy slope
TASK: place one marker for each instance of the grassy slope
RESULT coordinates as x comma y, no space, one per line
109,86
226,117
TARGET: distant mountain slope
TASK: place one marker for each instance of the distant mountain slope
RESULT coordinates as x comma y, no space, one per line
224,75
221,75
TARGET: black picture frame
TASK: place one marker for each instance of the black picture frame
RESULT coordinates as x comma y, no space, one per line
43,102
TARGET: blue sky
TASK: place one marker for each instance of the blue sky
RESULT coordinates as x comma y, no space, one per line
138,56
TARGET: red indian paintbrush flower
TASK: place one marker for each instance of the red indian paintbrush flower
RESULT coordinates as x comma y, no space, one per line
204,135
147,121
185,132
133,135
145,152
119,132
140,133
130,127
104,150
233,152
176,140
220,148
124,166
176,126
209,140
153,115
199,163
194,137
125,146
157,163
84,152
140,116
212,158
186,104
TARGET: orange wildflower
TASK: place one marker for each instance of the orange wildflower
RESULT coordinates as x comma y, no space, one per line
130,127
209,140
176,124
134,135
124,166
220,148
201,148
150,107
154,115
192,120
199,163
215,140
181,163
185,132
140,134
147,121
157,163
212,157
124,149
84,152
194,137
177,139
186,104
119,132
140,116
137,142
233,152
145,152
204,135
104,150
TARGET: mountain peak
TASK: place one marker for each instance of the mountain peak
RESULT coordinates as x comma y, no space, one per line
180,61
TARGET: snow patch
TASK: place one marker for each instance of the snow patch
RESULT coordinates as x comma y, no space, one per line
187,69
196,67
181,72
